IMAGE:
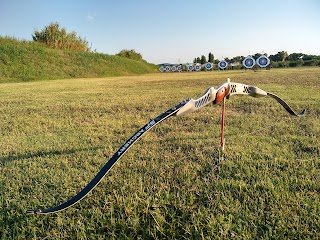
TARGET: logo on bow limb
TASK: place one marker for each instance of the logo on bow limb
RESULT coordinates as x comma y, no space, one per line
211,95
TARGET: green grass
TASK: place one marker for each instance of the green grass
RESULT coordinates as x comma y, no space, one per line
22,61
170,185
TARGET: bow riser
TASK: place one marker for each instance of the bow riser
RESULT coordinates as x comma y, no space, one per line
217,95
211,95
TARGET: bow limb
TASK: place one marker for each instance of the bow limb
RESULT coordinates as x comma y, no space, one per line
286,106
195,104
243,89
117,155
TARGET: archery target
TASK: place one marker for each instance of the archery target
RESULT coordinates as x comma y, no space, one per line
179,68
197,67
190,68
223,64
249,62
263,61
173,68
167,68
208,65
161,69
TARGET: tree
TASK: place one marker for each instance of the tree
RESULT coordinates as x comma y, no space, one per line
295,56
227,60
198,60
210,57
256,56
237,59
55,37
276,58
203,59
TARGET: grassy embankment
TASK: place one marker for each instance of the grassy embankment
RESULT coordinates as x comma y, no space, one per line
29,61
54,135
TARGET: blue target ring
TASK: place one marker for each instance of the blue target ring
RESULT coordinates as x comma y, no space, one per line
161,69
167,68
223,64
263,61
179,68
173,68
190,68
197,67
249,62
208,66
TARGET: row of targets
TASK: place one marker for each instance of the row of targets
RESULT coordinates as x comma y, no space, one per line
186,67
248,62
262,61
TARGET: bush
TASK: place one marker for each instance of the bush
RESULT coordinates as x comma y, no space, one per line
313,62
274,64
295,63
55,37
131,54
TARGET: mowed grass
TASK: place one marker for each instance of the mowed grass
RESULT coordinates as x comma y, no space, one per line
170,184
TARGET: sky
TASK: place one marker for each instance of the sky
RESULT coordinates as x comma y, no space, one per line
177,31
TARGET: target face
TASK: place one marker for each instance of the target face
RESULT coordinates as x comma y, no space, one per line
161,69
174,68
263,61
197,67
179,68
190,68
167,68
208,66
223,64
249,62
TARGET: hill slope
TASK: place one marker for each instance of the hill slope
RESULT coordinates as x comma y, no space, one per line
28,61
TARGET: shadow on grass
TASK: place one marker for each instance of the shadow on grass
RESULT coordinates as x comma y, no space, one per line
5,159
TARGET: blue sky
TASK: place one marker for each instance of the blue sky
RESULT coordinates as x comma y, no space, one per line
174,31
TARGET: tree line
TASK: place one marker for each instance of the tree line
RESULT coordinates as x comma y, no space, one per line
280,59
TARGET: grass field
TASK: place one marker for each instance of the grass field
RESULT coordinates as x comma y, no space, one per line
170,185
